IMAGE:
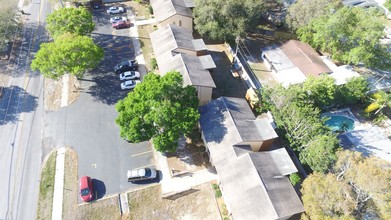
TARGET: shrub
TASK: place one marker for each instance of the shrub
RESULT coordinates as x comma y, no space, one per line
150,9
153,64
294,178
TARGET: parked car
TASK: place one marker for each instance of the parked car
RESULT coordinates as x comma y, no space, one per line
116,10
127,65
95,5
129,75
86,189
117,18
130,84
141,174
121,24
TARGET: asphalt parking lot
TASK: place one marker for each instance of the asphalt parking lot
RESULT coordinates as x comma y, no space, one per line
88,125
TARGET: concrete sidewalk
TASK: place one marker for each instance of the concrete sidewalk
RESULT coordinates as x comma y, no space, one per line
58,184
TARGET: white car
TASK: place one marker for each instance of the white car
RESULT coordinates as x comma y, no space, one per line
130,84
116,19
115,10
129,75
141,174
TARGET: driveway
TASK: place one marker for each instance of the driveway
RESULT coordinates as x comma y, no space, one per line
88,125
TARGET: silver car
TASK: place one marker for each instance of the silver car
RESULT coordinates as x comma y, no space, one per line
116,19
128,75
115,10
141,174
130,84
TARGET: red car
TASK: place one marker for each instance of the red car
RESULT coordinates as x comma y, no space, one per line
86,190
121,24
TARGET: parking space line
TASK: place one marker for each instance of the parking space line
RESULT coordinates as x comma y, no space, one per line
146,152
150,165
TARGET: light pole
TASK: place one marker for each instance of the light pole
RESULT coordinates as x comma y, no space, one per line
236,50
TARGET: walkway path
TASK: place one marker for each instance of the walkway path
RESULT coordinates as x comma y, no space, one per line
58,185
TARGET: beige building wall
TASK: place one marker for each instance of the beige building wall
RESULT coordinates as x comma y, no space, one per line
179,20
204,94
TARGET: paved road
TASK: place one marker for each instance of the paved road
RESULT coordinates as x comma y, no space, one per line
21,121
88,125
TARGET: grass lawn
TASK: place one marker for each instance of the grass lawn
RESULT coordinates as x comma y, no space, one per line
46,188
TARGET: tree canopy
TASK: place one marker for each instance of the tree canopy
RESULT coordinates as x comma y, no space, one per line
68,54
77,21
225,20
303,11
351,35
159,108
8,21
356,188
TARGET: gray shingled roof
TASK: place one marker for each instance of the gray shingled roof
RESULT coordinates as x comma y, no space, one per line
228,121
254,187
192,68
254,183
163,9
172,37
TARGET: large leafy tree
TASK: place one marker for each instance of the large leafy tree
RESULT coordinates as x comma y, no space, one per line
357,187
159,108
8,21
355,90
226,19
68,54
77,21
320,89
351,35
303,11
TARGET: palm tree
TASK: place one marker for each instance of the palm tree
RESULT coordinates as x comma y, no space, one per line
380,100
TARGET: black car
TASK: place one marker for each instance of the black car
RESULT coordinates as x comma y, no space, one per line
127,65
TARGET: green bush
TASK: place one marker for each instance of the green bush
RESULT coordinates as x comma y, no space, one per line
217,190
150,9
153,63
294,178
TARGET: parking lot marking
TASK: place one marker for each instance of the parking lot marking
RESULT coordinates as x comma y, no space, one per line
150,165
146,152
93,165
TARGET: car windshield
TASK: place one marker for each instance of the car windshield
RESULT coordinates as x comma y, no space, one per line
148,172
85,192
124,63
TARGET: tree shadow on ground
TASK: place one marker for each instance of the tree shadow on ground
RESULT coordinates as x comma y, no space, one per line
226,84
14,101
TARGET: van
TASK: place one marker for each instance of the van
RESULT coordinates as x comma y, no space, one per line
141,174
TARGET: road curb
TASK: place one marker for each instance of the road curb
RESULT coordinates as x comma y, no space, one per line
58,184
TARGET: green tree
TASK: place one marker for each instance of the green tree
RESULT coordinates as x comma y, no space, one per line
77,21
9,20
354,90
387,4
319,152
321,90
351,35
68,54
226,19
159,108
303,11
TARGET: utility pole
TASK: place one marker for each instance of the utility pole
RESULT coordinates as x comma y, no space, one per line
237,39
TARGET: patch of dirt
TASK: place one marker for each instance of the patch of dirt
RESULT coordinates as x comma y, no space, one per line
147,204
70,185
190,155
53,92
73,89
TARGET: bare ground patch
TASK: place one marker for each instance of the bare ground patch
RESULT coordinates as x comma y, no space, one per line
53,92
147,204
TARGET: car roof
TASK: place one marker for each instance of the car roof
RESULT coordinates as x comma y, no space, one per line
129,82
84,182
